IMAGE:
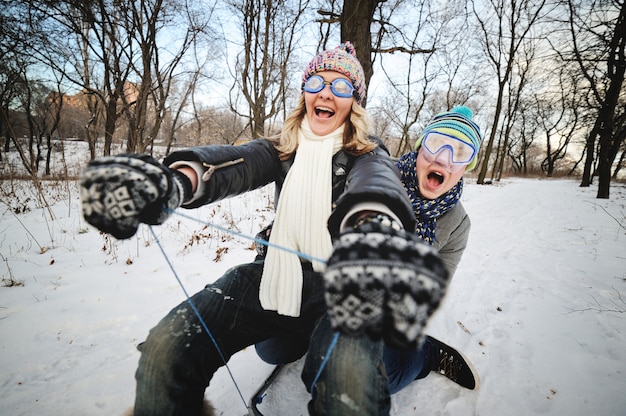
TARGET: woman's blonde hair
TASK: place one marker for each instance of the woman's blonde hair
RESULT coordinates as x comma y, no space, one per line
355,134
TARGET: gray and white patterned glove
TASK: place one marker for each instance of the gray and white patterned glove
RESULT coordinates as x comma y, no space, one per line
383,282
119,192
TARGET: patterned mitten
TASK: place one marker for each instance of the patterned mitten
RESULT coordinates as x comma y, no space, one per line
119,192
383,282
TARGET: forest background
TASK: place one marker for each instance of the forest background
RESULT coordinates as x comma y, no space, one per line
545,78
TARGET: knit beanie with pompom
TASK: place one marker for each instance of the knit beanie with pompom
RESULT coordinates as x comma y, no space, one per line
458,123
342,59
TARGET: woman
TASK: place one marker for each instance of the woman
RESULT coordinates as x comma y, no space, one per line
333,183
433,178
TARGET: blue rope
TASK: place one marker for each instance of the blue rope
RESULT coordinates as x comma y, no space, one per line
204,325
197,312
333,342
247,237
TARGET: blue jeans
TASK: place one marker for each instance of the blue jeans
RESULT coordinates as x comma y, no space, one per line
401,367
352,382
178,359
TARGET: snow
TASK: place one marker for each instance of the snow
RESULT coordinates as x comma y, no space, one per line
537,302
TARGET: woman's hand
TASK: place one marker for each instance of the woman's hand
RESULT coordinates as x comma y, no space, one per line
119,192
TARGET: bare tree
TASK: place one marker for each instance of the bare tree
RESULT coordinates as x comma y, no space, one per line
24,93
599,50
621,132
369,25
403,106
519,81
414,71
522,136
356,21
559,125
270,31
145,104
504,29
84,42
118,56
17,87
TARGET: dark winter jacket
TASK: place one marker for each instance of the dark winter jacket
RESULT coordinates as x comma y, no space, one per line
372,177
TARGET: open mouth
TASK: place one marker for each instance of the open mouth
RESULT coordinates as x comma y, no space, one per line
435,178
324,112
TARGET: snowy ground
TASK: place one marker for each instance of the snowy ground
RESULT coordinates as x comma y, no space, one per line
538,302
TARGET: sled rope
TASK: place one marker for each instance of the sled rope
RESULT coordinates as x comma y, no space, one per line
247,237
333,342
195,310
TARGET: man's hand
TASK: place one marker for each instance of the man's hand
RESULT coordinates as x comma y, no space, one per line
383,282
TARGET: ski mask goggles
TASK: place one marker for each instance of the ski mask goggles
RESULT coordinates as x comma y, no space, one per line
340,87
447,150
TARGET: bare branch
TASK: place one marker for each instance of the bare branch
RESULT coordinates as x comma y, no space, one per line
608,213
403,50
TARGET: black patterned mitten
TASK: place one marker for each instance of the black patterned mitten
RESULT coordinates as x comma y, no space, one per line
383,282
119,192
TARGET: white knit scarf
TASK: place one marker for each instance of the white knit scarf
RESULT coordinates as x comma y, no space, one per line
301,221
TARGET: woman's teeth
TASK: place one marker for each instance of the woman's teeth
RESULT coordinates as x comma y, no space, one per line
324,110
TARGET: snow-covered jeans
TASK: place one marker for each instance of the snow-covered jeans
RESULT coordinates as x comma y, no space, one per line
178,358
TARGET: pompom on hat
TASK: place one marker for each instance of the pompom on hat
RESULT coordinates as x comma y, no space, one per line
458,123
342,59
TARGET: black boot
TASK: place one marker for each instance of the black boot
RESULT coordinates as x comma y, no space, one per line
451,363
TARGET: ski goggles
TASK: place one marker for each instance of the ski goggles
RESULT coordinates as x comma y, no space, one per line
461,153
341,87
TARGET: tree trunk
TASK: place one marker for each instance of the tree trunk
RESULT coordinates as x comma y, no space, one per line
618,168
109,124
356,20
494,128
616,70
586,180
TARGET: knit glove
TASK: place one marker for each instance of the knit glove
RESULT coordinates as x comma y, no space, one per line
383,282
119,192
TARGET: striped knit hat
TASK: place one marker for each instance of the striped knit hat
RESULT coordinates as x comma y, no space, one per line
458,123
342,59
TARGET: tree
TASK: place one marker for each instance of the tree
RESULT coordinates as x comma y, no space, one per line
356,21
599,50
85,42
408,93
518,82
522,133
559,125
157,68
270,33
368,25
15,59
424,76
116,53
503,31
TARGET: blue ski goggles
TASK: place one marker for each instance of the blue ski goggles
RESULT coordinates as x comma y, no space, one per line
341,87
461,153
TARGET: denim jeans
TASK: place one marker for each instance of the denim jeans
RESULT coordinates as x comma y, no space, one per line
401,367
178,359
352,381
